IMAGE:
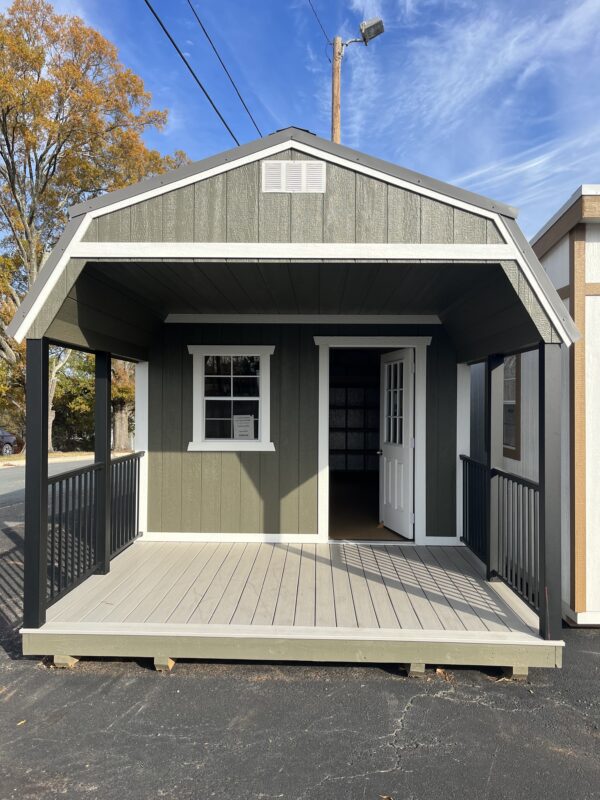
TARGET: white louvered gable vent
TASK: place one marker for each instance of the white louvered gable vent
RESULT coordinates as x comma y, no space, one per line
293,176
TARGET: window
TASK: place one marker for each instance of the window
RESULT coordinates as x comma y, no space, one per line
512,407
231,394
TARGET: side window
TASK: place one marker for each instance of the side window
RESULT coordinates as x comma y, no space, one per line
512,407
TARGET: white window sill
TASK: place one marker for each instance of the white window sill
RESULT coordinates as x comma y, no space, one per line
233,446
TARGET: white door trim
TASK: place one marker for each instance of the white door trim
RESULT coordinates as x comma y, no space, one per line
420,344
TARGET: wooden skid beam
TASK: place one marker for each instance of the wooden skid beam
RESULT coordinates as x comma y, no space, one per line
414,670
163,663
64,662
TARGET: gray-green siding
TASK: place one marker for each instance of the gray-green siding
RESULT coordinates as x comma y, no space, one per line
231,207
275,492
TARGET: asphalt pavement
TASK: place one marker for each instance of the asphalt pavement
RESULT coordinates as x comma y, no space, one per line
117,729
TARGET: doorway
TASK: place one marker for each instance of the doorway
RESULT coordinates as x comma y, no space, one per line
370,426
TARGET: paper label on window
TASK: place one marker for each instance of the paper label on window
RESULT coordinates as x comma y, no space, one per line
243,426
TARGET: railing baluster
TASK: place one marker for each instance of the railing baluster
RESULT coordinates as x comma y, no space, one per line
518,525
72,521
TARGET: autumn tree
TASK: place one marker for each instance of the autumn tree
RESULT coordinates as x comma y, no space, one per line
72,118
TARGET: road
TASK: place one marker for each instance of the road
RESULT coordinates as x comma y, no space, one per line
12,480
115,729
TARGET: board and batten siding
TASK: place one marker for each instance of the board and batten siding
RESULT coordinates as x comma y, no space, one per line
231,207
212,492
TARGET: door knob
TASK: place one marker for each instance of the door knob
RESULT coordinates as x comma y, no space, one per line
380,452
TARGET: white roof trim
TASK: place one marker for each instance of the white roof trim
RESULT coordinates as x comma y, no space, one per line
76,248
294,250
292,144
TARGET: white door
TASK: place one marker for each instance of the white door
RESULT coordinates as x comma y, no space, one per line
397,442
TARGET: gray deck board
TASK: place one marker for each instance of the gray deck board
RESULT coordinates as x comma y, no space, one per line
248,600
285,610
306,597
337,586
267,602
428,619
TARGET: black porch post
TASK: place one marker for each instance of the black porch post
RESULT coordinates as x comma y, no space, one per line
494,394
102,456
36,485
550,490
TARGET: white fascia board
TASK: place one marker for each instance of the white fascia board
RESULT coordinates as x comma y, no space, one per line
535,286
294,250
53,279
316,153
303,319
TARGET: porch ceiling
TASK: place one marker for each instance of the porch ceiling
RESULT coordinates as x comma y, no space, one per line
301,288
120,306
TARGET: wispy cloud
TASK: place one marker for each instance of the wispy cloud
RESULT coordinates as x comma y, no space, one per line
475,90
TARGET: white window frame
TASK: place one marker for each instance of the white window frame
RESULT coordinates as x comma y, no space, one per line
199,442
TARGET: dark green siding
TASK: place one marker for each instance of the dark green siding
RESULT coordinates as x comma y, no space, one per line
275,492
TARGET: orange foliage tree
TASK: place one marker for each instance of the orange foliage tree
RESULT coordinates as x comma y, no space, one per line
72,119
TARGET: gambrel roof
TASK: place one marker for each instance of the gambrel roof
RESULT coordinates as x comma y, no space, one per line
501,241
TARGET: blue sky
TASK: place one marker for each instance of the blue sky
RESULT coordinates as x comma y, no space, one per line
498,96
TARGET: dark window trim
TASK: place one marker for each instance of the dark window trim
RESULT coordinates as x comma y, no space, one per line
515,452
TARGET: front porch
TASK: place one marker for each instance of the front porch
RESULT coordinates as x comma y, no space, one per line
408,605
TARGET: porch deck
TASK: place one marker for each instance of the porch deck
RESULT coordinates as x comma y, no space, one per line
329,602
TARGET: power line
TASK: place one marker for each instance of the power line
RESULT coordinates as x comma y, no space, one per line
314,10
195,77
205,32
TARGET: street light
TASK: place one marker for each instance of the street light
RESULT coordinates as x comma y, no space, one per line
369,29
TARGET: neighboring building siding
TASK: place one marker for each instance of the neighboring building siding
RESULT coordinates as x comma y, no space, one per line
275,492
232,208
592,420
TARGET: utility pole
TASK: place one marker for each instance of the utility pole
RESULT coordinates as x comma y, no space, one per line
336,82
368,30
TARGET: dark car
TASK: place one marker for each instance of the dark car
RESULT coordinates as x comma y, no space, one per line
8,443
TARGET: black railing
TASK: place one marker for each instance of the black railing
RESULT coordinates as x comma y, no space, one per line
125,501
72,530
476,493
73,546
518,535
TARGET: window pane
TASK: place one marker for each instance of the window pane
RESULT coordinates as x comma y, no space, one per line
218,409
217,387
218,429
245,387
337,397
246,365
510,436
510,368
217,365
510,428
246,407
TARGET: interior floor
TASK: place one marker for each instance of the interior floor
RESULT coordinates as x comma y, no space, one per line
354,508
